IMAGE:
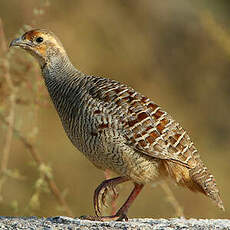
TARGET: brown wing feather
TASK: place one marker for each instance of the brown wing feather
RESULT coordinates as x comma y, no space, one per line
147,128
155,133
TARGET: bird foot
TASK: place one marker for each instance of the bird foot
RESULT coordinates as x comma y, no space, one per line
106,218
101,194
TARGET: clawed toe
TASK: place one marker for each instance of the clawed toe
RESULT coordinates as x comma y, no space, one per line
102,191
122,217
100,195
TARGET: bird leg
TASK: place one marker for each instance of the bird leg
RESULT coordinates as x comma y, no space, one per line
133,195
121,213
102,191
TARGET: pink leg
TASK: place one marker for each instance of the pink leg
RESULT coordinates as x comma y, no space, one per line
106,185
121,213
114,196
133,195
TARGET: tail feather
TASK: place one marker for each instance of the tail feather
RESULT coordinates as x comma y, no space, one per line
201,176
198,179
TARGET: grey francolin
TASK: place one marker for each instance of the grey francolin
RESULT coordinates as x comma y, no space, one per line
117,128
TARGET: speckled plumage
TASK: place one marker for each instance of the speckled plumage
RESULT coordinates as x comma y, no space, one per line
118,128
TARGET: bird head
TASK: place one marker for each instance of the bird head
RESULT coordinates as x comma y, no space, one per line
42,44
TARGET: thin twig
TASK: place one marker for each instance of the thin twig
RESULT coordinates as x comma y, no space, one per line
217,32
11,116
52,185
171,199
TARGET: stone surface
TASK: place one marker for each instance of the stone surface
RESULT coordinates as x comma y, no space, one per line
62,222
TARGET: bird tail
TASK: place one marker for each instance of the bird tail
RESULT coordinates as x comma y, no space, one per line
197,179
205,182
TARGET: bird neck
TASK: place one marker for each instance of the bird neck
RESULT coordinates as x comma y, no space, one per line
59,75
59,69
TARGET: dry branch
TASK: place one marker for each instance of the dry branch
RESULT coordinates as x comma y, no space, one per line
172,200
12,100
52,185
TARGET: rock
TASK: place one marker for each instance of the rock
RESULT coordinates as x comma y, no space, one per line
62,222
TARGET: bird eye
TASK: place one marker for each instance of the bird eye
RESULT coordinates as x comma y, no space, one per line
39,39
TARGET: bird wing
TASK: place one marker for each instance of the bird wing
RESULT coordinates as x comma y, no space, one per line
146,127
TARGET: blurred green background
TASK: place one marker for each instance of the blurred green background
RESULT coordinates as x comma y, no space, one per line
175,52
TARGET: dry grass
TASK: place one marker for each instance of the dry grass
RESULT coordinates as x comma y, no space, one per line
8,118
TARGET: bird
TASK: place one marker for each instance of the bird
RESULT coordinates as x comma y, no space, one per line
117,128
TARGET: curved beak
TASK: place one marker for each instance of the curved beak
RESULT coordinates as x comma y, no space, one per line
16,42
21,43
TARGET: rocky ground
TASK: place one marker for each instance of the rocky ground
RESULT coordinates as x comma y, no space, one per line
62,222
